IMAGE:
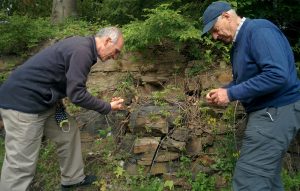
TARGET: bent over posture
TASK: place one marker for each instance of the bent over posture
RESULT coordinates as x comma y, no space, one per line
265,81
29,106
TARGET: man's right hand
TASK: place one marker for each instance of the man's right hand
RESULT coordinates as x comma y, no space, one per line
218,96
117,103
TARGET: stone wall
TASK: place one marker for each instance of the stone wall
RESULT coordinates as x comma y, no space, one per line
153,138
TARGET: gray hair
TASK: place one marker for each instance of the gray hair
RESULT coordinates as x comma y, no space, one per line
113,32
231,12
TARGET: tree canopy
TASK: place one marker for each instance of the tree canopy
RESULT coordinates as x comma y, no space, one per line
151,22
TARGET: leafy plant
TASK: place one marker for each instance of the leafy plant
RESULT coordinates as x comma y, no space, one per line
119,171
47,166
31,8
291,181
161,23
21,33
154,184
169,184
104,132
203,183
75,27
125,85
178,121
114,12
228,114
184,170
159,98
227,155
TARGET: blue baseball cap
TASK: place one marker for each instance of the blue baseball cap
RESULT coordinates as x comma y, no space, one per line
211,14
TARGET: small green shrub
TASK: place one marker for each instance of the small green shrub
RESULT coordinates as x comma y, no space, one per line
227,156
31,8
291,181
47,173
125,86
21,33
73,27
203,183
160,24
154,184
115,12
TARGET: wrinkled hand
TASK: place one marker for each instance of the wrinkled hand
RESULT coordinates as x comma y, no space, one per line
117,103
217,96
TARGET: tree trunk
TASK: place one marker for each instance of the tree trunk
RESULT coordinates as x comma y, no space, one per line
62,9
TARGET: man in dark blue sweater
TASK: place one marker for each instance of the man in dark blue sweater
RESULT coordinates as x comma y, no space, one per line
29,106
265,81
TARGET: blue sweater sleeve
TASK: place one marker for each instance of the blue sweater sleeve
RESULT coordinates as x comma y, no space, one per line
79,68
267,51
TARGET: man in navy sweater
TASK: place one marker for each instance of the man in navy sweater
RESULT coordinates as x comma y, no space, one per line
29,106
265,81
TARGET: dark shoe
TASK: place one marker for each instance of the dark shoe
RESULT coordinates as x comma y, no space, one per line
88,180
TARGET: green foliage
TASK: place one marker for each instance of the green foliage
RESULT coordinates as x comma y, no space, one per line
209,51
227,155
73,27
104,132
48,172
21,33
125,86
178,121
169,184
203,183
114,12
3,76
296,50
159,98
229,114
188,7
31,8
154,116
2,150
291,181
119,171
214,50
198,68
90,10
184,167
164,113
161,23
154,184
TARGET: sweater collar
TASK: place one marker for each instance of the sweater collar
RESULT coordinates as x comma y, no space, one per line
94,49
238,28
240,33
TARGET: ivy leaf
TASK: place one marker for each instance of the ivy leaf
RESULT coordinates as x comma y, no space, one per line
169,184
119,171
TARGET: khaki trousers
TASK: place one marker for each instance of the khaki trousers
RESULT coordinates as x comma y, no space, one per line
23,137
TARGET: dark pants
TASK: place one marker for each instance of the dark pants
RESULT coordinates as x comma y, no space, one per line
267,137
